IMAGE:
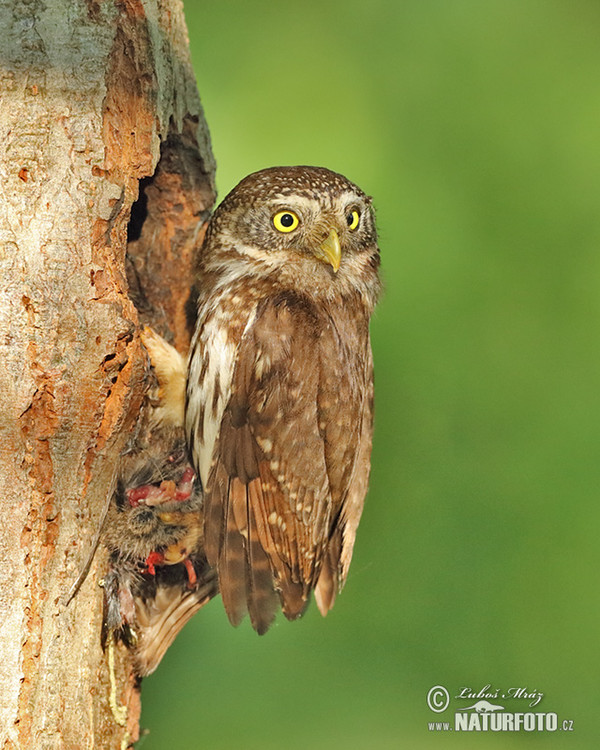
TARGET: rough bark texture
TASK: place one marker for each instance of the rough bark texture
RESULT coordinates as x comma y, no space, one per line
100,123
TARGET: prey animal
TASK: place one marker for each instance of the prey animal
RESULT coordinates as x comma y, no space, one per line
158,575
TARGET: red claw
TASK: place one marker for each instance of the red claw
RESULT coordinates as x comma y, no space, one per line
192,578
154,558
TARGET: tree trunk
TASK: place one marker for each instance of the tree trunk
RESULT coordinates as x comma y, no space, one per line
102,139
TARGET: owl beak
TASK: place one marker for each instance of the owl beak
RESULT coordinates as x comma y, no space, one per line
329,251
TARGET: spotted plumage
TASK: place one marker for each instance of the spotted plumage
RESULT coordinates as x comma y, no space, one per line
279,390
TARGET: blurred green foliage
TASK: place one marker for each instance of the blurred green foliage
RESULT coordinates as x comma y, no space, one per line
475,126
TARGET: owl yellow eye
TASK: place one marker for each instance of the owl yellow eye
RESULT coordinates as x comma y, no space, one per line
353,219
285,221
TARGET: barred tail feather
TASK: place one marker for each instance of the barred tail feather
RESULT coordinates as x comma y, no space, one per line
232,562
262,599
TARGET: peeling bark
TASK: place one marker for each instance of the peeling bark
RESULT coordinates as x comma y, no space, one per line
101,134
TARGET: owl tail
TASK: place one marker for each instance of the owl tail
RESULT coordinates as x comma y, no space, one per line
325,590
245,576
329,582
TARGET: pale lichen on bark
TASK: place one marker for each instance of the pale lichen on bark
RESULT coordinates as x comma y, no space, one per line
90,94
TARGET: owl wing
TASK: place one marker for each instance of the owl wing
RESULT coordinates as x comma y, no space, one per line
338,554
276,487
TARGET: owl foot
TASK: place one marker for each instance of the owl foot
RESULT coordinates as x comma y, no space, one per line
171,372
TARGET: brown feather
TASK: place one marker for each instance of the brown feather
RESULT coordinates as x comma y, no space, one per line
215,496
232,559
262,599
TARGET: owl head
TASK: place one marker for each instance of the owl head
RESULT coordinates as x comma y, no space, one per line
303,226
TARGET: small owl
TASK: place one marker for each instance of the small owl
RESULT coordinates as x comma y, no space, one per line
280,387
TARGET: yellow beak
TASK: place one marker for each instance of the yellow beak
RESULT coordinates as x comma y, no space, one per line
329,251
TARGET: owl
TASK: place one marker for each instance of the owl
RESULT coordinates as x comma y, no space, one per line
279,406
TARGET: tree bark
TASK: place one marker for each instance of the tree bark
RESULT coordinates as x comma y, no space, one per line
101,134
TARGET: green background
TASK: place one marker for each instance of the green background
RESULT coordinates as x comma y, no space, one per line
475,125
